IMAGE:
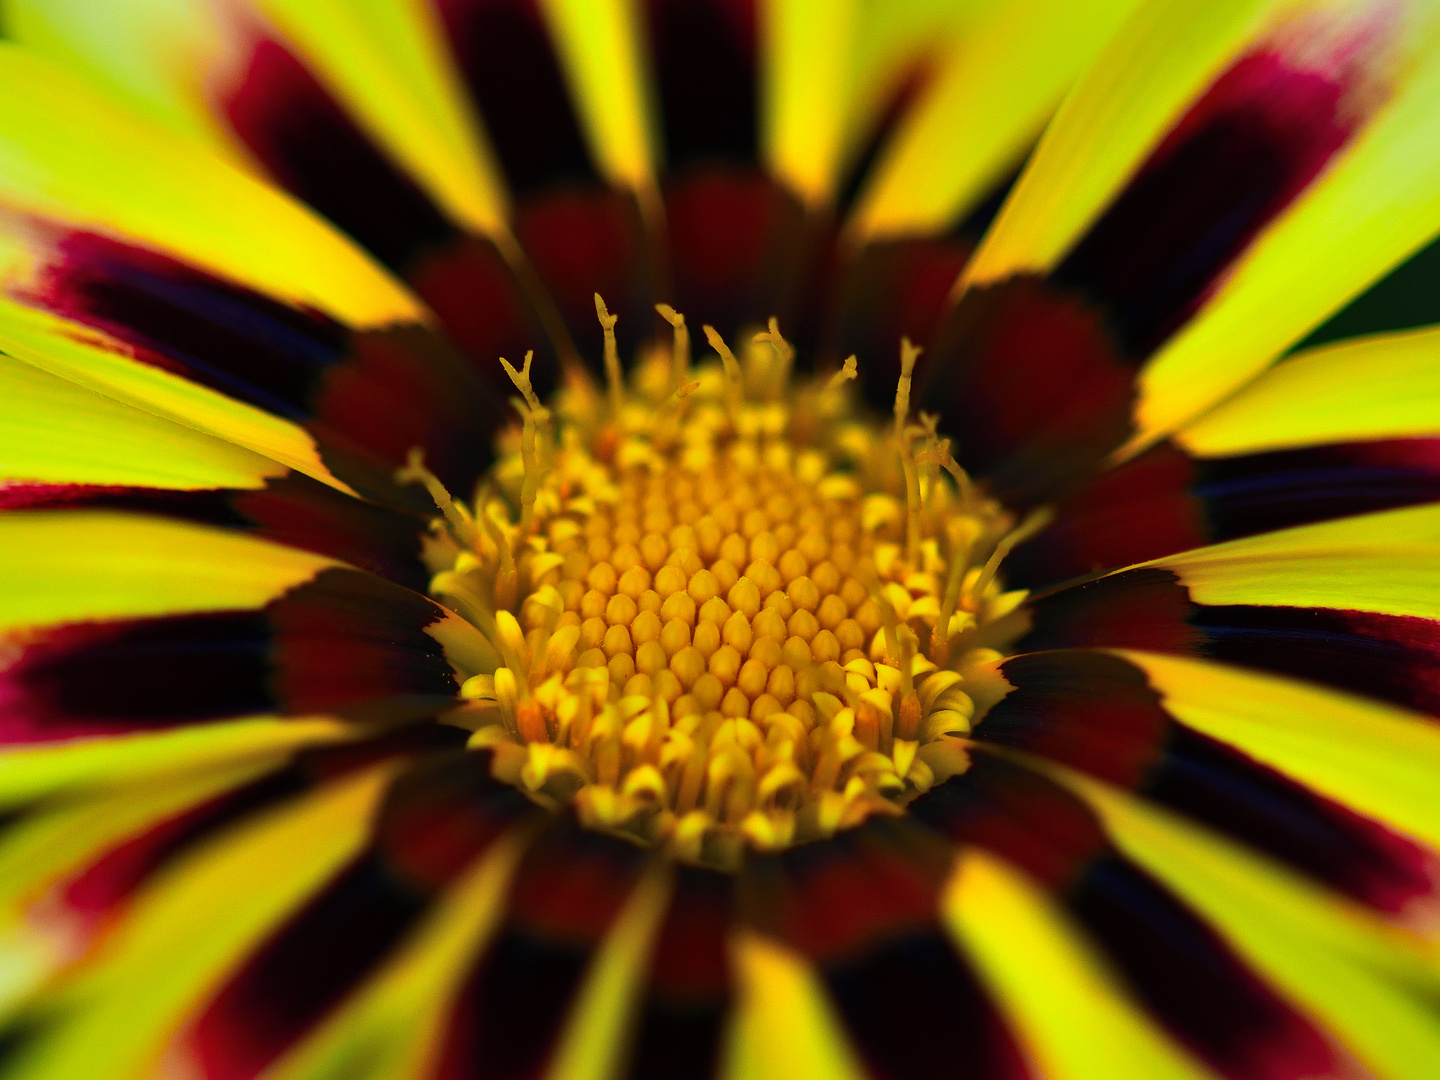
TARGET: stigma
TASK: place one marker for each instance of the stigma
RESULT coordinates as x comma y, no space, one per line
726,610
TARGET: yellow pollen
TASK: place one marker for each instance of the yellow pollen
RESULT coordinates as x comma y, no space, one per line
736,624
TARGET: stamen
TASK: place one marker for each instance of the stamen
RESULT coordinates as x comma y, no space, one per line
908,355
680,350
779,376
612,358
734,381
1036,520
848,371
456,516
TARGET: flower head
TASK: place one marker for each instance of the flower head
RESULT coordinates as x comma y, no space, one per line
696,538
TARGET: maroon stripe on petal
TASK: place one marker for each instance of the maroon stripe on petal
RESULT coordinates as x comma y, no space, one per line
1032,384
737,246
1089,710
1248,147
292,509
368,396
1392,657
863,907
1097,713
435,821
1137,609
509,62
1180,970
690,990
704,58
1193,983
305,140
567,892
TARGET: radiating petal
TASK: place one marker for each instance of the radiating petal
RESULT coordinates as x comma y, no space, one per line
806,88
391,1027
1376,758
88,565
54,431
783,1025
1375,987
1385,387
112,1017
1074,1018
1196,171
996,84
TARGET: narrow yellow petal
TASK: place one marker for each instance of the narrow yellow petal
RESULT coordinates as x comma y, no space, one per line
192,926
80,355
391,1028
1067,1007
1383,562
72,566
1378,759
55,431
1385,387
784,1026
594,1043
116,761
995,87
806,87
1370,984
599,43
68,154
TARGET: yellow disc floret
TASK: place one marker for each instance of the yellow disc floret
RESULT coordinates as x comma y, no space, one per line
724,611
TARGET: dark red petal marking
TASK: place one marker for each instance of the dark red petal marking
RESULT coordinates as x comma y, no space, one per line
1193,983
863,907
1031,382
345,643
1188,978
567,892
1392,657
689,991
306,142
292,509
1036,379
509,62
1166,501
1097,713
368,396
436,819
90,895
736,246
704,58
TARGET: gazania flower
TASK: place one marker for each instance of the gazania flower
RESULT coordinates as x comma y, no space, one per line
904,606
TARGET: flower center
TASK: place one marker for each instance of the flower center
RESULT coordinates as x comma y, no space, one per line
726,611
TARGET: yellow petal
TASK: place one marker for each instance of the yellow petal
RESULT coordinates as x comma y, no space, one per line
391,1028
599,44
68,154
1067,1006
996,85
54,431
784,1026
72,566
383,60
594,1043
1378,759
192,926
1384,387
1384,562
115,762
806,85
1372,985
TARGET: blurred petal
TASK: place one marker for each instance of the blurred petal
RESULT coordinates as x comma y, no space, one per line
1076,1020
112,1017
1375,987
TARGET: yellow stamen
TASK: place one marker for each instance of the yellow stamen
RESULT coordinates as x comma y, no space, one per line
778,377
612,358
734,381
848,371
680,349
456,516
1036,520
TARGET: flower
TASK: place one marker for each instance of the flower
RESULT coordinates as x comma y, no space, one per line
997,651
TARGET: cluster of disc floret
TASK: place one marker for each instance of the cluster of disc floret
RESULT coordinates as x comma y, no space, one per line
724,610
